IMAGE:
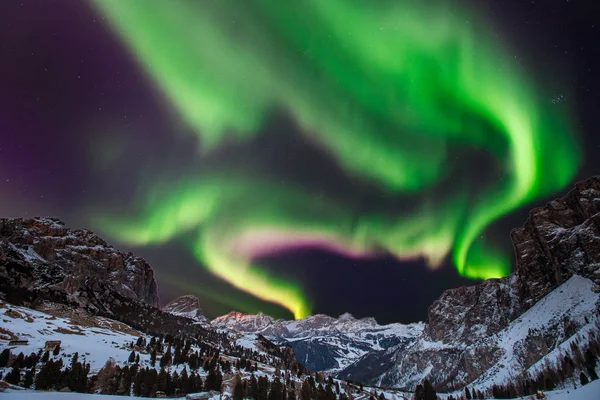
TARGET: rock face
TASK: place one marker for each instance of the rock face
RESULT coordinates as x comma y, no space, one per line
186,306
41,254
462,339
43,261
558,241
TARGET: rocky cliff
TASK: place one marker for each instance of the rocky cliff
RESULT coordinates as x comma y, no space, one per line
187,306
462,339
41,254
43,261
558,241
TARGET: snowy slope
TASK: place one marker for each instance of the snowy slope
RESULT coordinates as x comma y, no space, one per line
575,300
538,336
95,339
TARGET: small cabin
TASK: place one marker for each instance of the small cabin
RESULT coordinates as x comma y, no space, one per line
18,342
51,345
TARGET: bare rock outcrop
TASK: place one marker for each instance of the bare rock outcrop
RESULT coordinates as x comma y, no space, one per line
41,255
186,306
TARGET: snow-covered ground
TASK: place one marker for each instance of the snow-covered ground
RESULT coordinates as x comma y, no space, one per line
95,339
26,394
590,391
575,299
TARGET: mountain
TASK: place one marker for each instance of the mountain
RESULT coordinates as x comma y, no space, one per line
321,342
557,254
41,257
531,325
187,306
479,334
44,264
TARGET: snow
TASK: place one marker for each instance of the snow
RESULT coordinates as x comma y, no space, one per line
93,343
575,298
591,391
347,338
29,394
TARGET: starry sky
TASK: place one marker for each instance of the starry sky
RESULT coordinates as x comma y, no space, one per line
305,157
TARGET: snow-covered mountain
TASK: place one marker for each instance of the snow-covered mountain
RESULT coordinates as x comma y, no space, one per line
485,331
479,334
187,306
321,342
525,345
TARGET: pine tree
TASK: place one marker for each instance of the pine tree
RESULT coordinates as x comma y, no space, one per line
590,364
305,390
45,357
28,379
253,387
106,377
184,381
166,359
276,389
238,389
429,391
14,376
467,393
583,379
219,380
131,358
162,381
263,388
153,357
210,382
292,395
19,361
425,391
4,357
56,351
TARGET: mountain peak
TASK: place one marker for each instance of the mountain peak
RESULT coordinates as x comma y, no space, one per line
186,306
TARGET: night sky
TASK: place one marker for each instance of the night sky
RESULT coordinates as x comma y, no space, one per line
299,157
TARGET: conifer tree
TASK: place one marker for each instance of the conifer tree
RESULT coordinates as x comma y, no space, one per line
28,378
583,379
14,376
305,390
152,358
253,387
467,393
238,389
4,357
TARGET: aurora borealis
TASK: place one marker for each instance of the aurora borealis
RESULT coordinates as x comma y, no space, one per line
387,128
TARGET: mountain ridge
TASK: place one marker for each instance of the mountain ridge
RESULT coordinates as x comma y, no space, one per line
557,252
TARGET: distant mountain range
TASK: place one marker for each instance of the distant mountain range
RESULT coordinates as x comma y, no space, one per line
491,333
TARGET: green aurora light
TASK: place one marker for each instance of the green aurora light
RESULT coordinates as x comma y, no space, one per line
388,89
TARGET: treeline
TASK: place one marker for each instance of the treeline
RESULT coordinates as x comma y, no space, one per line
50,374
576,368
178,350
47,373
